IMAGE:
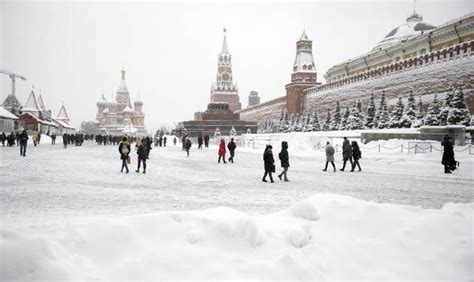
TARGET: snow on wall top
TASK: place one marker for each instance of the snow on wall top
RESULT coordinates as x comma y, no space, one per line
6,114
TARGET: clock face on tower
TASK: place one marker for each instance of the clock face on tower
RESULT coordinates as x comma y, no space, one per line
225,77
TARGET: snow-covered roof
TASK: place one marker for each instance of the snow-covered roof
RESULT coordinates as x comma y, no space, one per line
304,62
6,114
304,36
63,114
102,100
31,104
413,26
62,123
40,102
127,110
33,116
105,111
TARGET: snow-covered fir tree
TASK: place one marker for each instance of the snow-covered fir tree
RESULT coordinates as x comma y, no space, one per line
291,123
458,113
298,127
382,117
432,114
233,132
315,124
397,114
308,122
284,124
361,112
217,132
355,119
420,118
371,111
335,117
443,114
409,113
345,116
326,125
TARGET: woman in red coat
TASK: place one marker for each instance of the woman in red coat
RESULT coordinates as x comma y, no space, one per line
221,151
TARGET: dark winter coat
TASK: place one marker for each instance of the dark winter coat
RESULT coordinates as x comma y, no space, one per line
269,161
222,148
187,144
143,150
283,155
329,153
346,149
356,153
231,146
200,140
23,137
448,153
124,149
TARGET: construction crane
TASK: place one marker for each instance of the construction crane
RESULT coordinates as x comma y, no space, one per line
13,77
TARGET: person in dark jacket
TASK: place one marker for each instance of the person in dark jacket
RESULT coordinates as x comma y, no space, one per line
285,160
11,139
53,139
164,141
3,138
231,146
357,155
329,156
187,145
142,152
200,141
269,163
183,142
346,153
222,151
65,140
206,141
23,142
448,155
174,141
124,150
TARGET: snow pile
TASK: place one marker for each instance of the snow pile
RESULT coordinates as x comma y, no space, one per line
325,237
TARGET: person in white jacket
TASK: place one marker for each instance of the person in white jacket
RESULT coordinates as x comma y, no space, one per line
329,156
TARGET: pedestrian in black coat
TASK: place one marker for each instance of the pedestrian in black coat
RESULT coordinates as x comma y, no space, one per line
3,138
356,154
269,163
124,150
206,141
231,146
285,160
200,141
142,152
23,137
346,153
448,155
187,145
164,141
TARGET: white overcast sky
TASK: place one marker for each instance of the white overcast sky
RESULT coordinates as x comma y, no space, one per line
73,51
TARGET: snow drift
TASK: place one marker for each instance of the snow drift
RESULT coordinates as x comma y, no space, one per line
325,237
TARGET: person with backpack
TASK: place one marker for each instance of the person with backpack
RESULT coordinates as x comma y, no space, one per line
23,142
346,153
221,151
448,155
356,153
187,145
285,160
231,146
142,153
124,150
329,156
269,163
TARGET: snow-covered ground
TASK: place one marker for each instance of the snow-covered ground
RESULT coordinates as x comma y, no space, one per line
70,214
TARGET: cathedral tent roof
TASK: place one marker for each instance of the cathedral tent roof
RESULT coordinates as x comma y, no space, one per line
123,85
40,102
304,36
63,114
127,110
31,104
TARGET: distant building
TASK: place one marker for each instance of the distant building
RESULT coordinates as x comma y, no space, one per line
253,99
7,121
118,116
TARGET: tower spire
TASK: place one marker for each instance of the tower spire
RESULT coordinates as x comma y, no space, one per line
224,44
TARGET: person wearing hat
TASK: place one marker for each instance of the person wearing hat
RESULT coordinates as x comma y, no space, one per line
329,156
269,163
448,155
285,160
221,151
231,146
124,150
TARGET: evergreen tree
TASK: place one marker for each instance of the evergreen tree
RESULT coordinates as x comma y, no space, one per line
443,115
307,122
315,125
361,112
458,113
335,117
292,123
383,118
370,116
434,109
217,132
326,125
233,132
297,124
409,113
397,114
355,120
419,121
284,123
347,112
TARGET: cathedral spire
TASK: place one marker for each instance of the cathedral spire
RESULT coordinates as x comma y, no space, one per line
224,44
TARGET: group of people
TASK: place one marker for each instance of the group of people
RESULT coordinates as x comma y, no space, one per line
10,139
222,150
350,152
143,148
161,141
269,162
202,140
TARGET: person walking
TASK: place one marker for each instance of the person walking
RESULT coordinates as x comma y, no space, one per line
124,150
3,138
222,151
35,139
174,141
53,139
231,146
448,155
164,141
23,142
206,141
65,140
285,160
346,153
357,154
187,145
269,163
200,141
183,142
329,156
142,154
